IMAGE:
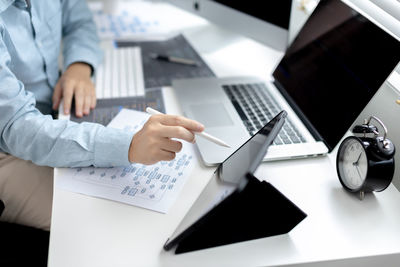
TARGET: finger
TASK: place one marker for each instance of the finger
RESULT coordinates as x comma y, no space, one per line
94,99
68,92
171,145
86,104
177,132
173,120
57,94
79,100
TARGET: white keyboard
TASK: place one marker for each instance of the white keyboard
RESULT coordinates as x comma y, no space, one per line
121,74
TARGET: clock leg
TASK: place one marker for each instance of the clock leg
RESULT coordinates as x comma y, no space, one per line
362,195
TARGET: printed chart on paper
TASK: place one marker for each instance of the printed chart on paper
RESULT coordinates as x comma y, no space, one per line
154,187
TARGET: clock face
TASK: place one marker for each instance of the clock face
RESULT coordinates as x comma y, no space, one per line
352,163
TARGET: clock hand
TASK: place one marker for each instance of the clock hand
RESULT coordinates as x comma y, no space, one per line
358,170
356,163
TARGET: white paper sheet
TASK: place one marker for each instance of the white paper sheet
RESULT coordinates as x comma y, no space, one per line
140,20
154,187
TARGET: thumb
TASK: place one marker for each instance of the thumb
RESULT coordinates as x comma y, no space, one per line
57,95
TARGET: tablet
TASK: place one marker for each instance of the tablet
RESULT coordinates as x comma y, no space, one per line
229,175
248,157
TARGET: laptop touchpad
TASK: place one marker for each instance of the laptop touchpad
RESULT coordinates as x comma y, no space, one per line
211,115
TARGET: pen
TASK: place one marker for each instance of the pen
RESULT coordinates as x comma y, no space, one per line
178,60
202,134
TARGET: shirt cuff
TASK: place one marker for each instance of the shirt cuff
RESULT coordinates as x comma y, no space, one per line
112,147
85,56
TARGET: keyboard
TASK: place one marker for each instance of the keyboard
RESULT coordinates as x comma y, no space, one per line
159,73
121,74
256,107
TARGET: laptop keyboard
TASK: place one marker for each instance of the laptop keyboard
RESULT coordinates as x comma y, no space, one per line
256,107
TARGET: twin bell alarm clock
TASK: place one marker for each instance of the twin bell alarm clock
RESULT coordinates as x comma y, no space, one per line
365,161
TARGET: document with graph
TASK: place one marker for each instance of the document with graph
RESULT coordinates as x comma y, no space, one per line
140,20
154,187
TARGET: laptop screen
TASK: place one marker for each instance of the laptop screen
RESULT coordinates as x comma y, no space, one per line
333,68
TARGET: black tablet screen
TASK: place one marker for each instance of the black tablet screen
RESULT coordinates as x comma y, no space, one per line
248,157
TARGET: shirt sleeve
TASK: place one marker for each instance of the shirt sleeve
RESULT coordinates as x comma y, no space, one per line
80,40
28,134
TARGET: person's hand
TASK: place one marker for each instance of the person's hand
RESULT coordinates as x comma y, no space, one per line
154,143
75,82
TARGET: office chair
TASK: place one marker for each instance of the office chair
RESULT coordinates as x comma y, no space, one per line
22,244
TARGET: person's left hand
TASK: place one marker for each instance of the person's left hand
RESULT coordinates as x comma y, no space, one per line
75,82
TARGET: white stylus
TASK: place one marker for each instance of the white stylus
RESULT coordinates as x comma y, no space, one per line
203,134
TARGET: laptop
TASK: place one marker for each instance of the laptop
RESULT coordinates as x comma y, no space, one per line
230,181
334,66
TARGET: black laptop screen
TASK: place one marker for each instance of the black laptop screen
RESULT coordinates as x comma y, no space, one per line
333,68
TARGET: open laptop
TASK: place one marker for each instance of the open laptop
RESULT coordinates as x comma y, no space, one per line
327,76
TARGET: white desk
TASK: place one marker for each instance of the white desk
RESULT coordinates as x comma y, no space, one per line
340,230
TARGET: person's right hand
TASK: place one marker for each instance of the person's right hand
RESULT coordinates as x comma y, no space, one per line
154,143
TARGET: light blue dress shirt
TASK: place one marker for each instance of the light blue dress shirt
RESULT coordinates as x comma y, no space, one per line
30,41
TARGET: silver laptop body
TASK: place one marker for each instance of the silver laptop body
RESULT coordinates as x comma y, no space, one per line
205,100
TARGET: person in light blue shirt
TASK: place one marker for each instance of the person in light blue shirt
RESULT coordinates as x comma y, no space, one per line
31,141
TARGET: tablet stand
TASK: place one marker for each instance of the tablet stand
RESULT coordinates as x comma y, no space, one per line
258,210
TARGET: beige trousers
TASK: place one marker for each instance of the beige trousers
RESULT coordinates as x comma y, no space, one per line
27,192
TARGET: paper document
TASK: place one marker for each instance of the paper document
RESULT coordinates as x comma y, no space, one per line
154,187
140,20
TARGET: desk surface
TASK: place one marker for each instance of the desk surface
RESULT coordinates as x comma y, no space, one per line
340,229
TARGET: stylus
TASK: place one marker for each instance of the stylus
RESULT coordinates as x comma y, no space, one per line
202,134
178,60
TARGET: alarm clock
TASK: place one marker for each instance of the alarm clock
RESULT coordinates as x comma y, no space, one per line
365,161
